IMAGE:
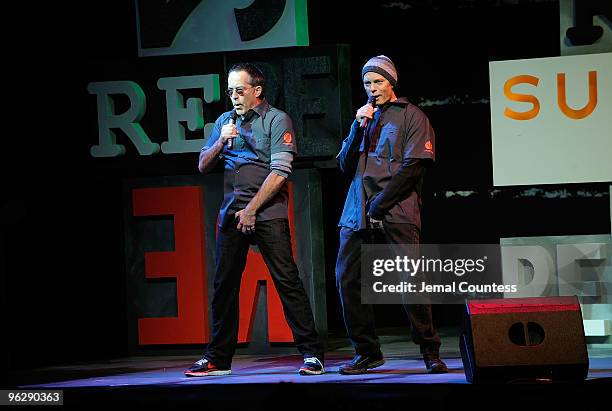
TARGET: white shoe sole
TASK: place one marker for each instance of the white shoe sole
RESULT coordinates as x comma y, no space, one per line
208,373
309,372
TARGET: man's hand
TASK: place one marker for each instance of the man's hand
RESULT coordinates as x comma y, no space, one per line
375,223
375,216
228,131
246,221
366,111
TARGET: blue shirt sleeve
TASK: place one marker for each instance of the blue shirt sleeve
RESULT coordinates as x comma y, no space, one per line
349,153
216,132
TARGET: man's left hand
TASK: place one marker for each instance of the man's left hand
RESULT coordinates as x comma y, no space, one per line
246,221
374,222
374,214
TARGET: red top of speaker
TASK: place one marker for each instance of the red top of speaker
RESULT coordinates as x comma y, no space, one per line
519,305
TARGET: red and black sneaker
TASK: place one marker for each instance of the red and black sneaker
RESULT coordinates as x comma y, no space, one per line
312,366
434,364
203,368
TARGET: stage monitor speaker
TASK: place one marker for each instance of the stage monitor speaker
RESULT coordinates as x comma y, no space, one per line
522,339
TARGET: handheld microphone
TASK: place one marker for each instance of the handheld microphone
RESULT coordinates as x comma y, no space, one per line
233,117
364,121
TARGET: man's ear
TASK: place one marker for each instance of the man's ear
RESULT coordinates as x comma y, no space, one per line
258,91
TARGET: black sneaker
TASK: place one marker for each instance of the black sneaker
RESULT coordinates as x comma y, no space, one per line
312,366
434,364
203,367
362,363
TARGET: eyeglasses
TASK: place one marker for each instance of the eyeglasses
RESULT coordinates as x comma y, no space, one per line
239,90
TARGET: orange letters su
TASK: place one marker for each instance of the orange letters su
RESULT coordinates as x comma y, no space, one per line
561,97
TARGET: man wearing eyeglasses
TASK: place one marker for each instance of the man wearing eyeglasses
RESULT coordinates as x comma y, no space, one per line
386,155
254,211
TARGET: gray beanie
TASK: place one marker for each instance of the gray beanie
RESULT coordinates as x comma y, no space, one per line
383,66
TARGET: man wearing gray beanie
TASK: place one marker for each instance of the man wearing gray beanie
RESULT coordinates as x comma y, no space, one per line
386,154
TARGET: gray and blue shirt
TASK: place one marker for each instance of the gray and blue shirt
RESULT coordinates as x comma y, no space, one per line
265,144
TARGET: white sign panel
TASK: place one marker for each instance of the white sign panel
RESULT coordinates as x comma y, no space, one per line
551,120
184,27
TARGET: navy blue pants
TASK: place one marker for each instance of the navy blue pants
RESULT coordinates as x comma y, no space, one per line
274,241
358,317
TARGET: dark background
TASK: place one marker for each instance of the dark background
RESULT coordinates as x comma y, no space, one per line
62,246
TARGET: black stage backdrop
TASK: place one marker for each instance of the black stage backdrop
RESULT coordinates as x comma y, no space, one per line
63,262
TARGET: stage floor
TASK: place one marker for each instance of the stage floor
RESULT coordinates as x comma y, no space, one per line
160,380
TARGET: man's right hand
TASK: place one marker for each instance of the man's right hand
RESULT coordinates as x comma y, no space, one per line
366,111
228,131
374,223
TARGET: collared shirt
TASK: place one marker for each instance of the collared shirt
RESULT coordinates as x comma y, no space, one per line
399,131
263,131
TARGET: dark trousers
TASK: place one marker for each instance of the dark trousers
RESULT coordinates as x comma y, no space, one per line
358,317
274,241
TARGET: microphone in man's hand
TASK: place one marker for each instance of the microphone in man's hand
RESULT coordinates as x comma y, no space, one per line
233,117
364,121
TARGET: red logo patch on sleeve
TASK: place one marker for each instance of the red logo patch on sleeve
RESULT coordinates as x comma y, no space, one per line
287,138
428,145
